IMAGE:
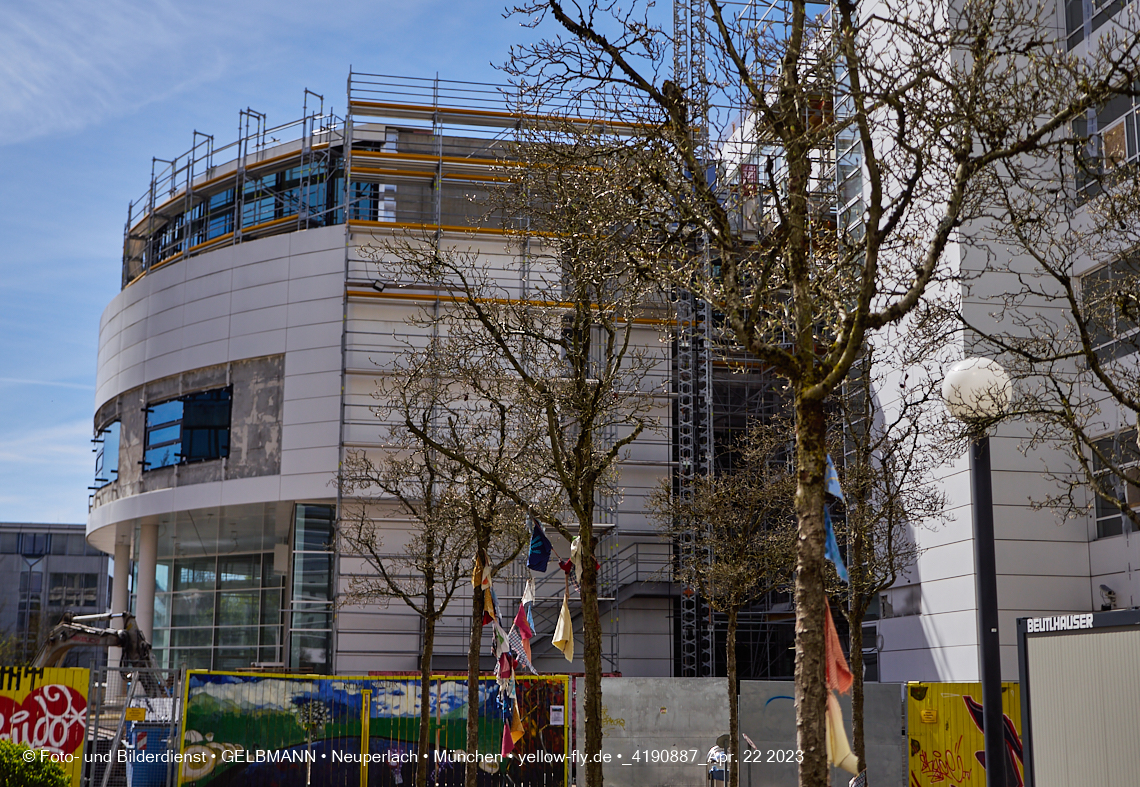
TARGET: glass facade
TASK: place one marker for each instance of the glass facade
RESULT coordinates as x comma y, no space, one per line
219,592
1121,449
310,625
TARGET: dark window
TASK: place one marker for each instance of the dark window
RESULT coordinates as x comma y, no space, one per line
193,428
311,623
31,582
73,590
9,543
76,545
107,455
1100,12
35,543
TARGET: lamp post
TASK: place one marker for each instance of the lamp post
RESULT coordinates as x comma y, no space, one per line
977,391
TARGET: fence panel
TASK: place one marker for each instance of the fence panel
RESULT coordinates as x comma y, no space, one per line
944,727
132,728
257,729
45,708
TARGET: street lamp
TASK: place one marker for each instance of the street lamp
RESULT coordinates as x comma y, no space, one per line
976,392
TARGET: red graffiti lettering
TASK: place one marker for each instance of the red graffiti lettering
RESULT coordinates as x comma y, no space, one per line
948,765
52,717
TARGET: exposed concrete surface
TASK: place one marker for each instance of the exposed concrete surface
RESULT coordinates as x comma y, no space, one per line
255,427
655,716
768,717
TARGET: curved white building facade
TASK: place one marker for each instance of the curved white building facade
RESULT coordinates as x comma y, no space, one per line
238,364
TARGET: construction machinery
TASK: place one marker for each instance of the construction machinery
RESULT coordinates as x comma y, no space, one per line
73,631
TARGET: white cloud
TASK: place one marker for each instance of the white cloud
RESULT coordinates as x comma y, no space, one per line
65,64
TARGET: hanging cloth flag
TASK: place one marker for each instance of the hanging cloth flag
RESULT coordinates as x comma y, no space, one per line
516,722
568,567
499,644
494,604
478,572
563,638
504,663
522,623
508,740
521,648
522,632
831,547
540,547
839,677
839,751
831,481
576,559
528,602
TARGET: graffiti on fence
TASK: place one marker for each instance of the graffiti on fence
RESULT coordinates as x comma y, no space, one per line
46,708
256,729
947,747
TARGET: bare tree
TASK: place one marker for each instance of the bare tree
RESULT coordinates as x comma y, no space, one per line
926,104
443,401
1067,328
562,346
888,459
743,542
429,568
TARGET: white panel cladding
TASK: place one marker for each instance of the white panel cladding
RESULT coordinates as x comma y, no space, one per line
270,296
1085,708
197,312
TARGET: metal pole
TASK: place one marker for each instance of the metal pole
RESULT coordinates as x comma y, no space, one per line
985,575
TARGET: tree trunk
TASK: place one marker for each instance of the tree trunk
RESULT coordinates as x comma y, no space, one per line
856,611
811,686
425,701
471,771
855,620
591,657
733,703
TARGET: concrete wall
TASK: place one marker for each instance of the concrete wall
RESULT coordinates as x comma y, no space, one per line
689,714
657,715
768,717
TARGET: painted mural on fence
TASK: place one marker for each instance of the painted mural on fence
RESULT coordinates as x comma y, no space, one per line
944,727
46,708
280,730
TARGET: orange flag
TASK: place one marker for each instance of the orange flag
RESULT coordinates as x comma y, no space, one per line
839,677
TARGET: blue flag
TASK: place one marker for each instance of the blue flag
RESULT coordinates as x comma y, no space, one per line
831,547
540,547
831,481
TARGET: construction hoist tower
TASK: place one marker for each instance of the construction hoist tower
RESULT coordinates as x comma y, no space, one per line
693,362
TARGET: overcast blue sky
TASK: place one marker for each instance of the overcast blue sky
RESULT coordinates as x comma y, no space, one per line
89,92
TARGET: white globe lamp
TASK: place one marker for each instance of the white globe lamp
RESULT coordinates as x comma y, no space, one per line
977,389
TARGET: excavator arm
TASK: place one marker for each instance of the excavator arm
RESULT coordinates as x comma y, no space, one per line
72,632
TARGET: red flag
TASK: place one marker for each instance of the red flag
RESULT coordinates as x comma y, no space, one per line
508,739
839,677
522,623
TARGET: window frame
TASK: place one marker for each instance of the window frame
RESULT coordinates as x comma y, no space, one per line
1109,519
184,433
1118,337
